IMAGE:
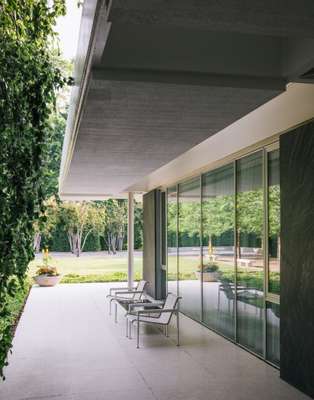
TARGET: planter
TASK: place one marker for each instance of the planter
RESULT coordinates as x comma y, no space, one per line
46,280
208,276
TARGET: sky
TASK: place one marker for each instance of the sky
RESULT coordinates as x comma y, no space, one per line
68,29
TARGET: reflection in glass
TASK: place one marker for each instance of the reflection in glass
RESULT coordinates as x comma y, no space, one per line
218,250
250,265
273,223
172,209
189,248
273,333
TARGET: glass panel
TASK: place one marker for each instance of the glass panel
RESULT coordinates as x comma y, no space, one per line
172,210
250,266
218,250
189,248
273,333
273,223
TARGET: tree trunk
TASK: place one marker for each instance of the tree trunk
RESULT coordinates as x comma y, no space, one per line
120,242
238,244
278,247
37,241
113,244
84,241
109,243
69,235
210,246
76,244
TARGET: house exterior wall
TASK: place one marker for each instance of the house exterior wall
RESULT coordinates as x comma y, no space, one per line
297,278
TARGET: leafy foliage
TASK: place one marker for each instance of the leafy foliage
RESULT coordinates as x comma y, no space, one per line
80,219
115,224
29,80
93,278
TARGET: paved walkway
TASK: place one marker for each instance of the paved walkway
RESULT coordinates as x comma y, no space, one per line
68,348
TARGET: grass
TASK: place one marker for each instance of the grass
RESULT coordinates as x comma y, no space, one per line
97,267
110,277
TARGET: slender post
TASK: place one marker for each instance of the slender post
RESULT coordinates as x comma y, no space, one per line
178,328
130,240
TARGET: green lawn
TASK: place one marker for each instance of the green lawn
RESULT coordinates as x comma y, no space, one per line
97,267
88,265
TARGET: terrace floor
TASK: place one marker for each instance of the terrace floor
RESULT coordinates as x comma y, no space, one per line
68,348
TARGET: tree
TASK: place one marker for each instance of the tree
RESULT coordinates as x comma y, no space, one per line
46,222
218,216
250,215
115,225
79,220
138,225
29,81
274,214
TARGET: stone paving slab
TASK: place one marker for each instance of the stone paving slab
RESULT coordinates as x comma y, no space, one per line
67,347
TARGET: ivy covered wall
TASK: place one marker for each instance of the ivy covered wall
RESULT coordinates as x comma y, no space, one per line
29,80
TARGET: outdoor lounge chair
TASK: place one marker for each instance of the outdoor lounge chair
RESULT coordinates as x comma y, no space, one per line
162,316
125,295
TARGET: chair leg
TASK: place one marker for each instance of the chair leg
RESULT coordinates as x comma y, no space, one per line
178,329
130,330
138,335
166,331
127,326
110,306
115,312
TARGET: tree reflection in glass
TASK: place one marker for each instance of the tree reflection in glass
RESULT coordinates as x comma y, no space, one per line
218,250
250,265
273,223
172,209
189,247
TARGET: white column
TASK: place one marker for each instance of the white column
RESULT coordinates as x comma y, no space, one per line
130,240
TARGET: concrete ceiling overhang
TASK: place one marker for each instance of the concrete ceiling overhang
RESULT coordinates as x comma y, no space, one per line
150,86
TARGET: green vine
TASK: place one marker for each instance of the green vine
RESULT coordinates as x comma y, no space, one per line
29,80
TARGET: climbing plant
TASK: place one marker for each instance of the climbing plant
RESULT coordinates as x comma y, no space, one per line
29,80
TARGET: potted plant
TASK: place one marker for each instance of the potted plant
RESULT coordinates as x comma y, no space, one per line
210,272
47,275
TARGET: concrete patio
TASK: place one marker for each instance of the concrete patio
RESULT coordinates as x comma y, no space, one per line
68,348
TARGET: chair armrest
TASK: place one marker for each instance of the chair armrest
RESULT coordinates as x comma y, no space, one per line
113,289
143,304
157,310
128,292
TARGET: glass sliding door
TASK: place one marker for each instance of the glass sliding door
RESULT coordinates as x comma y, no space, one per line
273,258
172,240
273,333
218,216
189,247
250,256
224,250
273,222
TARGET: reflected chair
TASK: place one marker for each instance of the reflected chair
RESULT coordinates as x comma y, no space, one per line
229,290
161,316
127,296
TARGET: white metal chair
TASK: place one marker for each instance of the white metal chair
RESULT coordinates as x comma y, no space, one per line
125,295
162,316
